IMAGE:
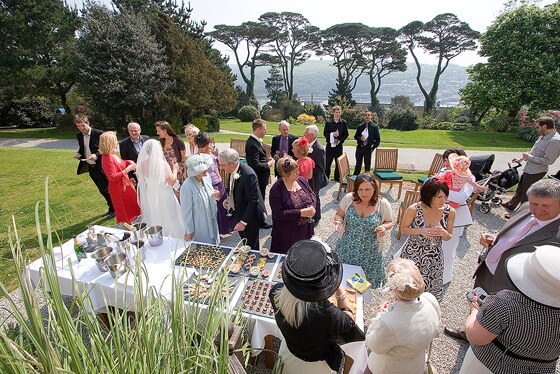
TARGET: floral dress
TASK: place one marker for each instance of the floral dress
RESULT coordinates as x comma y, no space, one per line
170,157
426,252
358,245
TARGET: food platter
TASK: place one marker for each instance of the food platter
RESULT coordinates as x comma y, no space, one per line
278,272
252,264
254,299
201,286
203,256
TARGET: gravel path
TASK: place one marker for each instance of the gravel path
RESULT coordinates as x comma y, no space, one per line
447,353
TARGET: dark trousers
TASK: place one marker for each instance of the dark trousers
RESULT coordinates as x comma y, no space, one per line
251,233
314,186
525,182
363,153
332,154
100,180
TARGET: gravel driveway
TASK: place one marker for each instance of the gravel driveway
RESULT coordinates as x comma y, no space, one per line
447,353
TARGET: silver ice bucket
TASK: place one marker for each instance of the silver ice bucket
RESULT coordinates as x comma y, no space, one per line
100,255
117,264
154,235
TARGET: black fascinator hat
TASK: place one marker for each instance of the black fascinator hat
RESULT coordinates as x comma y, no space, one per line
311,271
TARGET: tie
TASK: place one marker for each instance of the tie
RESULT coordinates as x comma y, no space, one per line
503,245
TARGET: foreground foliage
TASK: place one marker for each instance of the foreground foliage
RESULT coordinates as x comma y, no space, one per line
165,336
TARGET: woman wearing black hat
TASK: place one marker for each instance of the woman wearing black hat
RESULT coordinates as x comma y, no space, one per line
308,321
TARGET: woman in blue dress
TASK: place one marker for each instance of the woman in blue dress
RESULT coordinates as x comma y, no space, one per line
198,201
364,216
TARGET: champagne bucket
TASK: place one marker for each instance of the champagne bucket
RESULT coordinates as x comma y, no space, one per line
117,264
136,253
155,235
100,255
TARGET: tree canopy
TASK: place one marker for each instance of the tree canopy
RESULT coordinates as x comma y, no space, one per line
446,37
523,50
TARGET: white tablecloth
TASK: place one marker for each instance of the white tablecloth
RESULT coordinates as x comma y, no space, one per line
104,291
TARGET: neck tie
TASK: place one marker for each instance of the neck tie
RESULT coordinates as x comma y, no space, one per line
503,245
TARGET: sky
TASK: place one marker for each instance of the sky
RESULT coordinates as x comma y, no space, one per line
479,14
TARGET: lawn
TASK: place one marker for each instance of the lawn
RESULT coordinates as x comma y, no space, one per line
74,200
426,139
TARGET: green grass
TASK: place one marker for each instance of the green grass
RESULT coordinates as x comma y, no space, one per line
75,202
426,139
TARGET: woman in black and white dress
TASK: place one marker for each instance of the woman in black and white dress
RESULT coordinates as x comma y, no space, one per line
428,223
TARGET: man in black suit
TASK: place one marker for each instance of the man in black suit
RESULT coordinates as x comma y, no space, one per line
256,155
244,197
90,158
282,144
535,223
317,154
335,132
367,138
131,146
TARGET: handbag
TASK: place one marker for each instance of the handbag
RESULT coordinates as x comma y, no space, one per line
429,368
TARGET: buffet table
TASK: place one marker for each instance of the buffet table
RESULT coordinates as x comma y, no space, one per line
160,262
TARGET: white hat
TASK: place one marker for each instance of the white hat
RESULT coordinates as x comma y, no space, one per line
198,163
537,274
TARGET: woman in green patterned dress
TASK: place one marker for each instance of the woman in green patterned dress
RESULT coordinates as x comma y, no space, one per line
364,216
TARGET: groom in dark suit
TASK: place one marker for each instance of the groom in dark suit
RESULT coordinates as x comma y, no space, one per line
90,158
131,146
535,223
244,197
367,139
256,155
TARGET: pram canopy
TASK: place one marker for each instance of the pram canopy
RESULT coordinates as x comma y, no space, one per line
481,165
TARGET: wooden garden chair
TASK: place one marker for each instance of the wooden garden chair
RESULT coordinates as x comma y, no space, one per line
437,165
385,169
410,197
238,145
346,180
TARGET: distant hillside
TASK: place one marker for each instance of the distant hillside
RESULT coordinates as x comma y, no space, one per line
315,78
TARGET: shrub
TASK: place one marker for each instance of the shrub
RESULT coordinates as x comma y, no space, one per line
273,114
65,122
201,123
248,113
213,123
306,119
403,119
354,117
291,108
528,133
27,112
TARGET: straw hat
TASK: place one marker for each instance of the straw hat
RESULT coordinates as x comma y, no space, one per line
311,271
198,163
536,274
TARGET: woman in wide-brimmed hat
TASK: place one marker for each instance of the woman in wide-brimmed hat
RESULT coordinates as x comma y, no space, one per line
308,321
198,201
518,331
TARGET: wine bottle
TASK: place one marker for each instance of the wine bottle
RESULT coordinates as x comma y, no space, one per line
80,253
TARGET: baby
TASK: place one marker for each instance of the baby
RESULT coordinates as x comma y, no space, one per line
459,175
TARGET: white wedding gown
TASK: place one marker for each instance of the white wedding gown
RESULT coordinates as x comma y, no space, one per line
159,206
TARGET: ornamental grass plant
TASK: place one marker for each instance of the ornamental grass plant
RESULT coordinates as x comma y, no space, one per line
162,335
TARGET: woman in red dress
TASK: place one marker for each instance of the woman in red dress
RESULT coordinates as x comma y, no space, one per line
121,191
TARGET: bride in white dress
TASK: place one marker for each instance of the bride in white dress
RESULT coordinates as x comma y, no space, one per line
158,203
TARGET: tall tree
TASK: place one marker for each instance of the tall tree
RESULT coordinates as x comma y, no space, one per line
381,54
522,47
343,42
200,87
122,68
274,85
37,48
446,37
294,38
247,42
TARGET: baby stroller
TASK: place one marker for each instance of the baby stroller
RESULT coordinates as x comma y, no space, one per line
497,183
